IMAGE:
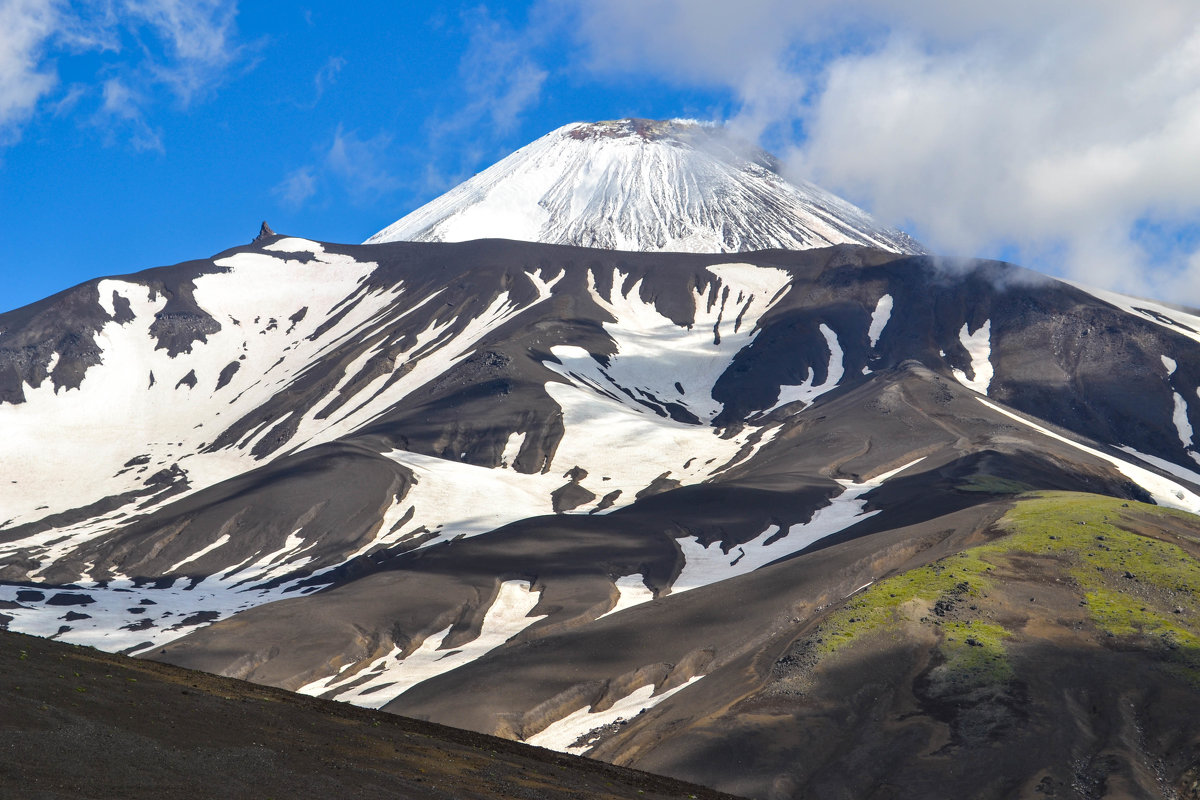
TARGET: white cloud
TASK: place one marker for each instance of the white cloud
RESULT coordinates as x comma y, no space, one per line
361,164
356,167
298,187
1025,144
25,27
119,100
499,75
327,76
196,37
1029,126
121,110
183,48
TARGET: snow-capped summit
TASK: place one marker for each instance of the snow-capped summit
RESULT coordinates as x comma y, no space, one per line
634,184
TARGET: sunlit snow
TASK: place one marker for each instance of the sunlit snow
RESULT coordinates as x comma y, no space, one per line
808,391
257,300
632,592
879,319
979,346
392,675
698,354
706,565
683,188
1164,491
1179,415
563,733
1183,473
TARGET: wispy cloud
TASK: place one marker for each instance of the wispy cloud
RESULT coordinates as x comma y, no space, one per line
361,164
349,166
25,28
501,77
1033,127
324,79
297,188
196,38
67,102
327,75
180,50
123,104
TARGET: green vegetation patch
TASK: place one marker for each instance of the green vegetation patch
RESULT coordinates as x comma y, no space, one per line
1089,526
974,652
1137,588
933,588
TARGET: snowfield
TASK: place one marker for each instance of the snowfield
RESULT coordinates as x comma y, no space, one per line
676,186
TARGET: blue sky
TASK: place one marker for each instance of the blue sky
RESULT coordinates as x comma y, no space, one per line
136,133
327,123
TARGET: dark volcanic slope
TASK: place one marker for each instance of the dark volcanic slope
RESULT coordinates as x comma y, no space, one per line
588,499
81,723
1059,658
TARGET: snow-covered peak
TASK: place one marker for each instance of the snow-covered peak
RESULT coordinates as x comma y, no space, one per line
634,184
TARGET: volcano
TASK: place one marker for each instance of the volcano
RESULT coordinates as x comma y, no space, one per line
646,185
836,518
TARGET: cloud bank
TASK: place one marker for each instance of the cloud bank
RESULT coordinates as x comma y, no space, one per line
1065,134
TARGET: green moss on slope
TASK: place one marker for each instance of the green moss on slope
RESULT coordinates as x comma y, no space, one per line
887,602
974,652
1140,591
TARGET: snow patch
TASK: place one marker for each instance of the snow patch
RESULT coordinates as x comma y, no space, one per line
698,354
808,391
294,245
979,346
393,675
879,319
512,449
119,620
1182,473
1180,417
632,591
1182,322
1164,491
614,440
561,735
453,499
200,553
704,565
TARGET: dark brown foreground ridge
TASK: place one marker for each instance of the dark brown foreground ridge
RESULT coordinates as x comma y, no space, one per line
80,723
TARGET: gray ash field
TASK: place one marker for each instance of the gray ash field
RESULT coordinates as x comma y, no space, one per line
838,522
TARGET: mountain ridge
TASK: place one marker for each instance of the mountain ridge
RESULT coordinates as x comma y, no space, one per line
666,509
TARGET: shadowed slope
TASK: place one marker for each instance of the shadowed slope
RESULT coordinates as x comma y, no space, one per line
1060,659
81,723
